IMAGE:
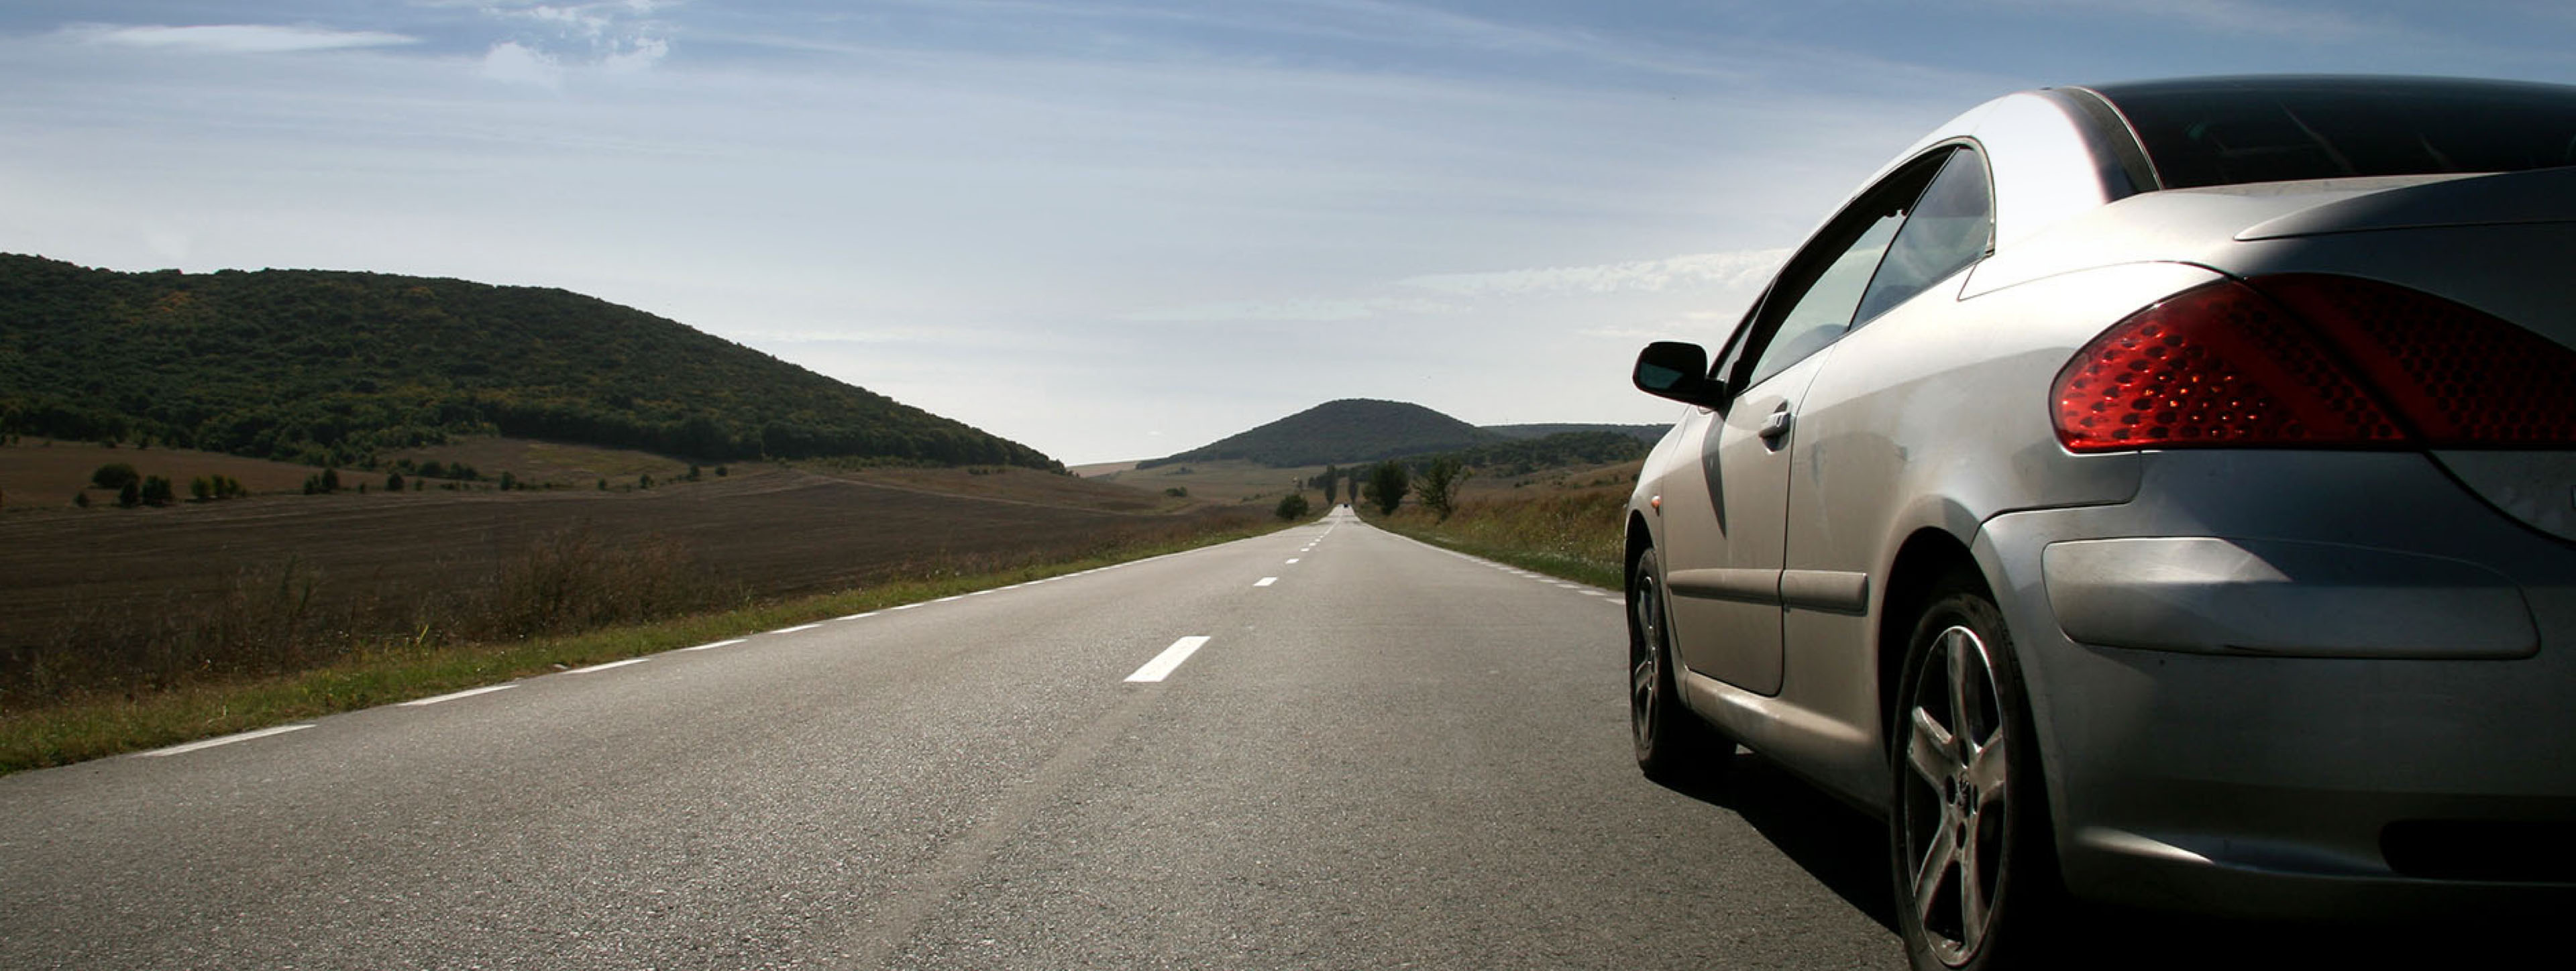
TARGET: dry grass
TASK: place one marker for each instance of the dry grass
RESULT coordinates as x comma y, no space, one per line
1568,532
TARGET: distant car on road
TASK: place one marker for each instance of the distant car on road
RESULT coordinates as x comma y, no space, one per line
2158,493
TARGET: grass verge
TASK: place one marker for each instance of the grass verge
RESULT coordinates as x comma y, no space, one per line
98,725
1573,534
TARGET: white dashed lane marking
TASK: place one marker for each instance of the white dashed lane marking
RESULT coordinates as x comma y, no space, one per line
1265,581
467,693
1163,664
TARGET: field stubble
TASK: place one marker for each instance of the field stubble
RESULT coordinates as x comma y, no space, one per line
134,602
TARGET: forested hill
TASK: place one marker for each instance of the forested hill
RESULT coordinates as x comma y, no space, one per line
330,368
1349,430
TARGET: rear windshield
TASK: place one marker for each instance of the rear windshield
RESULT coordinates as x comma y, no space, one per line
2229,131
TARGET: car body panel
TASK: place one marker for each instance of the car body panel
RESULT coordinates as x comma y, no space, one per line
2248,669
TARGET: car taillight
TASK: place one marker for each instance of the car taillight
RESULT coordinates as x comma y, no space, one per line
2314,361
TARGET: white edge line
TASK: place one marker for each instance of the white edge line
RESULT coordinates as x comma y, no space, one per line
226,740
860,616
943,600
452,696
1162,664
979,593
611,664
904,607
799,627
708,647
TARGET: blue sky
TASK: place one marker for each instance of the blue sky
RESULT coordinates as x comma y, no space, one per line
1109,230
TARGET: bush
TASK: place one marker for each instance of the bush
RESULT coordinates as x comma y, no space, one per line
156,491
130,496
114,475
1439,485
1387,483
1293,506
1178,492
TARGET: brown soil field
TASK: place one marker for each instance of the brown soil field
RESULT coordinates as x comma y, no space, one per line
1226,481
770,532
39,473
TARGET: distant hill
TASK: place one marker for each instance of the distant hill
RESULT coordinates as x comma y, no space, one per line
1644,433
1337,432
331,368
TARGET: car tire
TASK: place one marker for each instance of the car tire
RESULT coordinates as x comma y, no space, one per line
1976,879
1673,745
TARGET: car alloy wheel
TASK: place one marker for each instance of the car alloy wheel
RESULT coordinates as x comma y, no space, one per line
1967,825
1673,744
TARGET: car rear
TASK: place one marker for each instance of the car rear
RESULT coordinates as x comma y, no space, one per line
2324,662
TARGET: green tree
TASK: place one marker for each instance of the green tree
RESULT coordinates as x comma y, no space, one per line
1387,483
393,482
1439,483
1332,484
1292,506
114,475
130,496
201,488
156,491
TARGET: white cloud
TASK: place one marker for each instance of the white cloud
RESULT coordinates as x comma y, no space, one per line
235,38
619,36
516,64
1693,270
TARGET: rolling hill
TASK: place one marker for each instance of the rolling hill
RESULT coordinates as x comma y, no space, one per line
1356,430
1349,430
333,367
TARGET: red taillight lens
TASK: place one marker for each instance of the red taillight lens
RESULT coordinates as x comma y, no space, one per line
2348,363
2215,365
2460,377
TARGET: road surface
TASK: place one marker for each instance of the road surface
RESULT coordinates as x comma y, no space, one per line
1329,747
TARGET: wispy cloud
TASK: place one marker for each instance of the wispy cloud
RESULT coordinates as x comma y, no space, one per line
234,38
2302,22
622,36
1694,270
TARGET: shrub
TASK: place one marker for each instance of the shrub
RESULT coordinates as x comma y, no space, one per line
114,475
1178,492
1293,506
393,482
1387,483
156,491
1439,485
130,496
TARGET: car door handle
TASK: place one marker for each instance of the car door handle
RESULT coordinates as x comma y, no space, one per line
1775,426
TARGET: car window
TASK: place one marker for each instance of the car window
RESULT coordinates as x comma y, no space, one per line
1949,228
1819,290
2232,131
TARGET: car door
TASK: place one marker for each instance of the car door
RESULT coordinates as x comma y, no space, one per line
1723,559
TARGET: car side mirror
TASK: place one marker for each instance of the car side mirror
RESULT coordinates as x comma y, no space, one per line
1672,369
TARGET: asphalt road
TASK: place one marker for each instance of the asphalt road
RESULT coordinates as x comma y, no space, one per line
1380,755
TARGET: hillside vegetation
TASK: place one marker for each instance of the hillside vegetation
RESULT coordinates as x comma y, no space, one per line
333,368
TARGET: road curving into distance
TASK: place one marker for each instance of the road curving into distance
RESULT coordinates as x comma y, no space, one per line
1324,747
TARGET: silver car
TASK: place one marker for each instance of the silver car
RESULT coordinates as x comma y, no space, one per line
2157,494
